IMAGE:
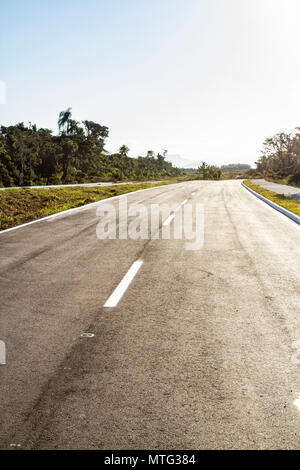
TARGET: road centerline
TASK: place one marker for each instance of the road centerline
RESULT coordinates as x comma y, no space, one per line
169,219
120,290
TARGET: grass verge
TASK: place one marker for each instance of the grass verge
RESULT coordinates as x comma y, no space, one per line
288,203
18,206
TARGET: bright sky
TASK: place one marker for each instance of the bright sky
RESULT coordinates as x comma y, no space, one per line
205,79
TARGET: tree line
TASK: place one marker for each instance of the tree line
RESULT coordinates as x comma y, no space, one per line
208,172
34,156
235,168
280,158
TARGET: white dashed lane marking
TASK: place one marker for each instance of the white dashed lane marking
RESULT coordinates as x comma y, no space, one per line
120,290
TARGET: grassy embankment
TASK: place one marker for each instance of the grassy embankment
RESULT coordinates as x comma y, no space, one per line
18,206
288,203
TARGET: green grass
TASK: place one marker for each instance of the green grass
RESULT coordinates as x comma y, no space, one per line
287,202
18,206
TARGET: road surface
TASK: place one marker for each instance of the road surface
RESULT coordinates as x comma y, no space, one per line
199,352
289,191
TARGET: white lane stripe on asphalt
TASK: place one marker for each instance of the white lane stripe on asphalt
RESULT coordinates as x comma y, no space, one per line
169,219
120,290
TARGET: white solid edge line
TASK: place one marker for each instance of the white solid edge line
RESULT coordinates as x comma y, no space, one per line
120,290
81,208
276,212
169,219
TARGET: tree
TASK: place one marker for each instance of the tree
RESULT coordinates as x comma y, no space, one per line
235,168
203,169
29,155
280,157
7,170
208,172
123,150
64,120
95,130
69,149
161,160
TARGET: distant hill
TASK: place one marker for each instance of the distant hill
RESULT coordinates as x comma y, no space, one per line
180,162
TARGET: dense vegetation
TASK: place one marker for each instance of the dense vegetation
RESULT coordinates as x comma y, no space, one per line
280,159
208,172
235,168
213,172
33,156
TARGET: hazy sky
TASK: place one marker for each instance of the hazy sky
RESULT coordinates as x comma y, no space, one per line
205,79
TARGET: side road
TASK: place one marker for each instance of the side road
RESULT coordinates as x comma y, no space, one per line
289,191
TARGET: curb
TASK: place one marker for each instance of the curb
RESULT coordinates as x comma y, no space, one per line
275,206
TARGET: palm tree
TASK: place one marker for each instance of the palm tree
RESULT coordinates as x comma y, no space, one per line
123,150
64,119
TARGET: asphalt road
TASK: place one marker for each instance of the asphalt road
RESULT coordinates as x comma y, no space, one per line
198,353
